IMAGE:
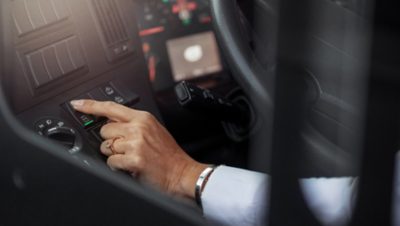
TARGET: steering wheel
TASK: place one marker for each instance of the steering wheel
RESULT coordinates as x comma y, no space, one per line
251,60
247,30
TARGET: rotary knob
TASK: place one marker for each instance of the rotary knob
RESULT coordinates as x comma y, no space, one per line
62,135
57,131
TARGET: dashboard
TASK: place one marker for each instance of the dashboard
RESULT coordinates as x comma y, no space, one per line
126,51
178,41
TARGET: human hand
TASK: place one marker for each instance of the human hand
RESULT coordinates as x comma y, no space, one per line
137,143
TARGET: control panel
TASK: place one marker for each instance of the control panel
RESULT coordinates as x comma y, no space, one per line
106,92
70,130
74,50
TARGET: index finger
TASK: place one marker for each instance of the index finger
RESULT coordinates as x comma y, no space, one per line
111,110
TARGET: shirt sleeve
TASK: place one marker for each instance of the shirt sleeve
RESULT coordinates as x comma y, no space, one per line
235,196
330,199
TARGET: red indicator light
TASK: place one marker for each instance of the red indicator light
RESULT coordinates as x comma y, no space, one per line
191,6
151,31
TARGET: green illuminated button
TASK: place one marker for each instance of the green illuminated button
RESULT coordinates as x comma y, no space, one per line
86,120
89,123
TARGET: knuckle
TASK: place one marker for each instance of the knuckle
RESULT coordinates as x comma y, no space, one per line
131,145
109,104
139,162
140,128
139,144
103,130
141,141
147,116
131,130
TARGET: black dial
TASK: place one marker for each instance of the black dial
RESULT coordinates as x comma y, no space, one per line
59,132
62,135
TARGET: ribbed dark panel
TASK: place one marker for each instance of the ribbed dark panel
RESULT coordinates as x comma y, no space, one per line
110,21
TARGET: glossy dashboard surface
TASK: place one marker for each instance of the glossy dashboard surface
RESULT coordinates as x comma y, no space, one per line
109,50
67,50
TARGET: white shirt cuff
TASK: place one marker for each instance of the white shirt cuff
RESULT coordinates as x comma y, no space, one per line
235,196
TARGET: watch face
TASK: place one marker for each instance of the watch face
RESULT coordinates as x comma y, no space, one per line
194,56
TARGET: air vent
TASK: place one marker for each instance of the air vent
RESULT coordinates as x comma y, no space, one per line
111,26
32,15
110,21
56,60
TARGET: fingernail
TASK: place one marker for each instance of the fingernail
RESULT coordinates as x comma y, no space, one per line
77,103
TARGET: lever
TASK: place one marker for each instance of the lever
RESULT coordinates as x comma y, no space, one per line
209,103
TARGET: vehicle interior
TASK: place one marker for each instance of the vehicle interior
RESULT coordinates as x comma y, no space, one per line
278,87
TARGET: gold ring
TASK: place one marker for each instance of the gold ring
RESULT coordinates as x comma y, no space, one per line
110,145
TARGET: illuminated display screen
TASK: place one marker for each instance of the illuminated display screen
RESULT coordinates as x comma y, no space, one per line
194,56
